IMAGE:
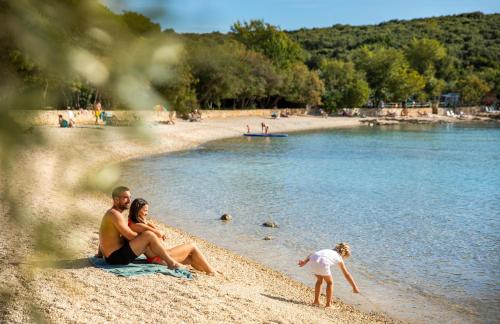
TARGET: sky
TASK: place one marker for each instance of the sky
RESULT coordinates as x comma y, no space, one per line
204,16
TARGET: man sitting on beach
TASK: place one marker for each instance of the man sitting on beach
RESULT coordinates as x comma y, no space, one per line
118,243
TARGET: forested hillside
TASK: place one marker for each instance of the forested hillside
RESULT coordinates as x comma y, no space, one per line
472,39
72,52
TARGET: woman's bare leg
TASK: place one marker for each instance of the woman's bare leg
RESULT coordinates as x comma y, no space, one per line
190,254
148,240
150,254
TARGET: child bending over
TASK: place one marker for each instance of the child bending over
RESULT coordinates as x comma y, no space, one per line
320,263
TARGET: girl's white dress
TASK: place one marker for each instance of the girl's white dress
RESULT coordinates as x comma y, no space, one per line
321,261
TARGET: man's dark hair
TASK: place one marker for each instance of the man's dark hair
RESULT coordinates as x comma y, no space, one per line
118,190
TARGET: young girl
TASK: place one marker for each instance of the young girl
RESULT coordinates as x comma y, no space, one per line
320,263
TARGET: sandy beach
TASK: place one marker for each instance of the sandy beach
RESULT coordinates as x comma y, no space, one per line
52,188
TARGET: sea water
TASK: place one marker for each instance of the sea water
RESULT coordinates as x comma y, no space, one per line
419,205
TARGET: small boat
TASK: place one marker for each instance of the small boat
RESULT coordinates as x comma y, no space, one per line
265,135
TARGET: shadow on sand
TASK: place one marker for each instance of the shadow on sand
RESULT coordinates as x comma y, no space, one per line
287,300
57,264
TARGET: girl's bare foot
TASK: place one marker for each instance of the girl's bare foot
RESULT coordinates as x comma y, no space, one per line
315,304
328,306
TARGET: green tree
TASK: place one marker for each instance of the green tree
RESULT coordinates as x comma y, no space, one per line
140,24
388,73
423,54
472,89
302,86
268,40
344,86
260,78
179,88
216,74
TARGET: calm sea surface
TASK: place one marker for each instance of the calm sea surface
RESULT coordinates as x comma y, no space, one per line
420,206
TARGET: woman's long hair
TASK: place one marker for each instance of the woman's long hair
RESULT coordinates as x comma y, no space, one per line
136,205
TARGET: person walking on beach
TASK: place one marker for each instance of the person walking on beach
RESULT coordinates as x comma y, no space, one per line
188,254
121,245
97,111
320,263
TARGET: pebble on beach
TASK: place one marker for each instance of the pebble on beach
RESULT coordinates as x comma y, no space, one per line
268,238
226,217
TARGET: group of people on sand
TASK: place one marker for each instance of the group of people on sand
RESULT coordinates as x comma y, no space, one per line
121,241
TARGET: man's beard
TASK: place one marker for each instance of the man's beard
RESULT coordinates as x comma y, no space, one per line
124,206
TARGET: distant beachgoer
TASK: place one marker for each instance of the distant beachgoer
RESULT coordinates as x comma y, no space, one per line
320,263
63,122
71,117
248,129
97,111
263,126
267,129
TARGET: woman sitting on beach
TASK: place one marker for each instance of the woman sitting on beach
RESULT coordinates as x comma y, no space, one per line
187,254
320,263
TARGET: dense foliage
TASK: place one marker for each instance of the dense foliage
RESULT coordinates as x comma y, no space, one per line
447,52
256,64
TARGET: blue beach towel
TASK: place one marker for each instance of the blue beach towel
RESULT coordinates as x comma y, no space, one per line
139,268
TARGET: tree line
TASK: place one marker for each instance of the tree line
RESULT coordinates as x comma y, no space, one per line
98,54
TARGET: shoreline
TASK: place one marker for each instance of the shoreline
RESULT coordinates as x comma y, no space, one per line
229,298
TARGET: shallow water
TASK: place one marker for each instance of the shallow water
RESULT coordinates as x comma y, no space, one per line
418,204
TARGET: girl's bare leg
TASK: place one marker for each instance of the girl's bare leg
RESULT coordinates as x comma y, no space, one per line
317,290
329,290
191,254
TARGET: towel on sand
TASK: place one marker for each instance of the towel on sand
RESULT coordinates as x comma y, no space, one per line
139,268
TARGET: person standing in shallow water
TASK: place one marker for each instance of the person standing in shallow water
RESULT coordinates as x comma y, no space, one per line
121,245
320,263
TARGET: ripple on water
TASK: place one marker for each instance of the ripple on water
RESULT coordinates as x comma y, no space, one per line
419,205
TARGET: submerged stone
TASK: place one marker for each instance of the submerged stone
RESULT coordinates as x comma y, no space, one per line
270,224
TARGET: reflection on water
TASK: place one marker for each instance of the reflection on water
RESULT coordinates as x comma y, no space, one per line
419,205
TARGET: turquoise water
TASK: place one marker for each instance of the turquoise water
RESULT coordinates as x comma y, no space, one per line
418,204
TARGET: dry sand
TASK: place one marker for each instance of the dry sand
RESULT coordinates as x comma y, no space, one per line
47,182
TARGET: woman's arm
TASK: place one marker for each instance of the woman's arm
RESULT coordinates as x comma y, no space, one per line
348,277
140,227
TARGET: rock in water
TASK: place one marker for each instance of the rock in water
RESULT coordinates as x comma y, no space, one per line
270,224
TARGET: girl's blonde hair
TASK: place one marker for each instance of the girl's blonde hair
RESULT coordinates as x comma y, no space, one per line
343,249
